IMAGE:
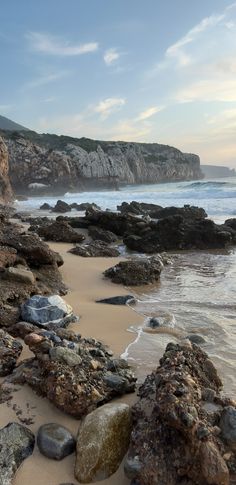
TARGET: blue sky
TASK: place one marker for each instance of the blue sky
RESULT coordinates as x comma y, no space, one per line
135,70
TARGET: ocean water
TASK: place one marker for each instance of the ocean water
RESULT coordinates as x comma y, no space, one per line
196,293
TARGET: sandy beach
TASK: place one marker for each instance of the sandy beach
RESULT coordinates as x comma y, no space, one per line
108,323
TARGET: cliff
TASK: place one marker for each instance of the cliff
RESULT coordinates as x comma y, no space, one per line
55,163
217,171
5,186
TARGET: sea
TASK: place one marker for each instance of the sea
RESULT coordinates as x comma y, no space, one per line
196,293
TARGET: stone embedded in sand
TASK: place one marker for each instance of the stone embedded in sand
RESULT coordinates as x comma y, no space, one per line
118,300
228,426
136,271
102,442
16,444
55,441
10,350
95,249
43,311
60,231
22,275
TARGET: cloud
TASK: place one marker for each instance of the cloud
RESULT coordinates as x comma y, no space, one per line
222,90
110,56
108,106
144,115
46,79
48,44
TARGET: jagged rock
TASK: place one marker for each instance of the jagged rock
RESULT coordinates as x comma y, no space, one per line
228,426
55,441
60,231
45,311
45,207
16,444
174,438
75,374
8,256
95,249
136,271
61,206
106,431
85,206
187,212
6,193
138,208
231,223
75,222
118,300
10,350
98,233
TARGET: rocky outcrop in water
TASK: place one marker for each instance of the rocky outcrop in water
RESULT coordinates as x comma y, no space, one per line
181,424
48,163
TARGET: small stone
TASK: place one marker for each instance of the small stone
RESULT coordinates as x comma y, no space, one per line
45,310
208,394
116,382
22,275
55,441
10,350
118,300
196,339
65,356
154,322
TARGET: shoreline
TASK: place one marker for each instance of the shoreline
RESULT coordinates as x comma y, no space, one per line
107,323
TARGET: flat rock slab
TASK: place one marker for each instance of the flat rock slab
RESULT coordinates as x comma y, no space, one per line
42,311
55,441
102,442
16,444
118,300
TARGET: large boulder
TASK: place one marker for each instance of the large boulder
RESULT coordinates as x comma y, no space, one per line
187,212
46,311
228,426
16,444
95,249
102,442
136,272
176,436
61,206
97,233
55,441
10,350
138,208
60,231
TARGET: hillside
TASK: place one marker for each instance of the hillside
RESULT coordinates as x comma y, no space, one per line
217,171
57,164
6,124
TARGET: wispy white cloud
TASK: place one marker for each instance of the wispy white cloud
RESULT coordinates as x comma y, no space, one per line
44,79
108,106
111,56
148,113
48,44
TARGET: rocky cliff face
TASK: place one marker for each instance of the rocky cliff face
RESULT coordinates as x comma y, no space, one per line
5,186
49,162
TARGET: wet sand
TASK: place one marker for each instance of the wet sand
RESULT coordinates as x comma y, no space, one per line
107,323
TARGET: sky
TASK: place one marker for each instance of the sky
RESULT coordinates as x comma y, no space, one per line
148,71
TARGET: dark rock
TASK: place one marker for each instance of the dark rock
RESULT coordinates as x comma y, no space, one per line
228,426
132,467
55,441
97,233
196,339
16,444
117,383
231,223
154,322
45,207
43,311
61,206
75,222
85,206
10,350
138,208
60,231
136,271
118,300
95,249
174,437
187,212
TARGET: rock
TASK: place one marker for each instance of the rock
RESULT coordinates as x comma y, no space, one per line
95,249
154,322
45,311
54,441
45,207
97,233
65,356
136,271
10,350
137,208
20,274
118,383
102,442
16,444
187,212
196,339
8,256
118,300
60,231
228,426
174,438
85,206
61,206
6,193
